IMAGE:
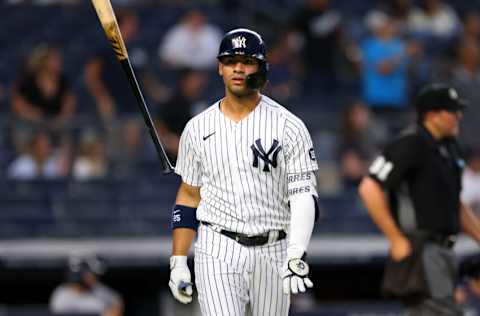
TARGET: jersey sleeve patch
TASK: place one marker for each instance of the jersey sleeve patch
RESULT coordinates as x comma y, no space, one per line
390,168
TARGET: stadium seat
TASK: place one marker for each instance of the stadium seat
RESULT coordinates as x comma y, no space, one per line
77,209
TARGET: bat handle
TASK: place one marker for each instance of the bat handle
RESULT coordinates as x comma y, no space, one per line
165,162
167,167
182,287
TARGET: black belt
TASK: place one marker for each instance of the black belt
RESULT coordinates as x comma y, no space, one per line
256,240
444,240
447,241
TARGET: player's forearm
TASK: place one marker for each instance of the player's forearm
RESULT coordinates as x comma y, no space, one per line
115,310
103,100
68,107
469,222
374,199
182,241
96,87
25,109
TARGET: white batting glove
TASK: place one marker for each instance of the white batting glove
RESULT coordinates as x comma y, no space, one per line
295,275
180,280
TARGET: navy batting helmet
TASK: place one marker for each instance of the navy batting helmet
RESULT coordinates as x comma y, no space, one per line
245,42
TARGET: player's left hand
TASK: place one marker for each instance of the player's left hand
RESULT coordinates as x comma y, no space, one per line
295,277
180,280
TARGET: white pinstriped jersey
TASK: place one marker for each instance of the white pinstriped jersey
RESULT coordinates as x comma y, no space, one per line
242,166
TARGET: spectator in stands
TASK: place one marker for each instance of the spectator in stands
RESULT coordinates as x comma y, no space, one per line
42,94
41,160
470,34
434,18
284,70
83,293
468,292
191,43
471,180
130,147
113,96
384,61
105,80
3,95
466,79
92,161
400,11
176,112
356,148
44,2
320,28
471,25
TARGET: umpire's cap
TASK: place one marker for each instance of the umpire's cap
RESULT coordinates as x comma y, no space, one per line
439,96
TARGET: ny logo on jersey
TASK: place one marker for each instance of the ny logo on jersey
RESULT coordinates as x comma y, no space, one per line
259,152
239,42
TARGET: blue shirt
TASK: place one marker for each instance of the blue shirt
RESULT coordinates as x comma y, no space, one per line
380,89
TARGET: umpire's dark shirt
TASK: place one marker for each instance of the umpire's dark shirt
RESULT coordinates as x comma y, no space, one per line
429,171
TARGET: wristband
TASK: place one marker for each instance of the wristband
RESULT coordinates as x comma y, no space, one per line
184,217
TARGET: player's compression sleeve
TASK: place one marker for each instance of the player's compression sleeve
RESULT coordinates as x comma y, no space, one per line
299,154
302,196
301,223
189,165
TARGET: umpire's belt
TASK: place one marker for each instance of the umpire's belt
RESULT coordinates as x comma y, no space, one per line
444,240
255,240
447,241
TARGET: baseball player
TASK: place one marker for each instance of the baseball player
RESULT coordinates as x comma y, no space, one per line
248,185
83,292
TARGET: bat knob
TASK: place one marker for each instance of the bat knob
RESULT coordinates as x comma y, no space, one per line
182,287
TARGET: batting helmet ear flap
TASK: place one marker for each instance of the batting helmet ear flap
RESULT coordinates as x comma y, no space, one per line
258,79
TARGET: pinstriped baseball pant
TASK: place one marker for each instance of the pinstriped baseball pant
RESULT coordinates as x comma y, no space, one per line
234,280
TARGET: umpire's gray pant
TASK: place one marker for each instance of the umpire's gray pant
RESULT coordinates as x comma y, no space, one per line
441,273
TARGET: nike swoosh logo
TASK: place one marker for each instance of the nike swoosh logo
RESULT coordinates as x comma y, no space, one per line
205,137
176,211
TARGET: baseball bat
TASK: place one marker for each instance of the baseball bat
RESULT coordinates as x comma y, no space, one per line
107,18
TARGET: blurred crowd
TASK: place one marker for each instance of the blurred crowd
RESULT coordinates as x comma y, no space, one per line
362,69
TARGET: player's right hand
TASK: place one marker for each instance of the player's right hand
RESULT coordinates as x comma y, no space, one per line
180,279
400,248
295,276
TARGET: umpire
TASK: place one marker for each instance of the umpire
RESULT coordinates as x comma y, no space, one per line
412,194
